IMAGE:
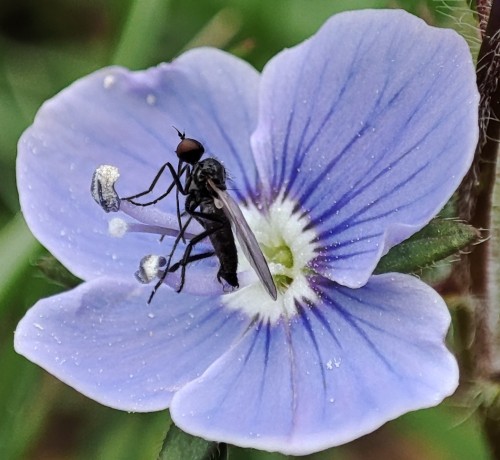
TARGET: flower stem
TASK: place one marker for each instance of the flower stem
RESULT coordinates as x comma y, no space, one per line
476,277
473,276
483,8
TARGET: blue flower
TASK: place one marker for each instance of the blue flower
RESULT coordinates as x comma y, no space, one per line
343,147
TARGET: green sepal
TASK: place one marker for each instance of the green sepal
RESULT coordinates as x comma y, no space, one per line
56,272
439,239
182,446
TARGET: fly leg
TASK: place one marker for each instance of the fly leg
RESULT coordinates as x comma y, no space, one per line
175,182
187,253
186,258
179,174
169,259
176,176
196,257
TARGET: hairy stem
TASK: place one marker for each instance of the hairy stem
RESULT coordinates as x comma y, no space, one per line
476,278
483,11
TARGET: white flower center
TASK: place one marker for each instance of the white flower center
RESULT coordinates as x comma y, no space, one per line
288,248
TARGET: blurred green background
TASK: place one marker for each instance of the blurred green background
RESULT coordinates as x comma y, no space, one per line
44,46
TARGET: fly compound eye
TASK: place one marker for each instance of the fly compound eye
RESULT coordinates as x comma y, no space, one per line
189,150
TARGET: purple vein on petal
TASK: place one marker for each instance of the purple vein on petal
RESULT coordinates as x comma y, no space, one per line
299,156
278,182
324,322
307,325
217,327
353,319
350,220
253,329
279,185
346,243
370,181
333,304
266,361
348,196
230,142
126,115
350,319
293,374
373,117
250,190
325,258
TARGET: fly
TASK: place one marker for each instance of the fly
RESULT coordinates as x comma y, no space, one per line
209,203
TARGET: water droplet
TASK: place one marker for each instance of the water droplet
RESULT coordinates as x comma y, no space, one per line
109,81
151,99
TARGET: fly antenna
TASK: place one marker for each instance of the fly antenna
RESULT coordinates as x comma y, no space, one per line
182,135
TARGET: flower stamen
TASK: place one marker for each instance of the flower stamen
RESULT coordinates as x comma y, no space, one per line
150,268
118,227
103,188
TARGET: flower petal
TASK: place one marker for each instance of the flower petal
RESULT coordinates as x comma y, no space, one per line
370,136
125,119
105,341
334,373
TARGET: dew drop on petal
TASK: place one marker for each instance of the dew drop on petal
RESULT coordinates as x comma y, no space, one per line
151,99
109,81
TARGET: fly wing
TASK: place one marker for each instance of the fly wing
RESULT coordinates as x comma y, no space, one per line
247,239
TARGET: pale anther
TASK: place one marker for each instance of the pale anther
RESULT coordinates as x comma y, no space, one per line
103,188
149,268
117,227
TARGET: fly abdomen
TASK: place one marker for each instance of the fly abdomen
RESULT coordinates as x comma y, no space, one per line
222,240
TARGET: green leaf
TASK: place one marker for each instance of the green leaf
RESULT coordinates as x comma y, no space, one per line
25,402
441,238
145,22
56,272
17,247
182,446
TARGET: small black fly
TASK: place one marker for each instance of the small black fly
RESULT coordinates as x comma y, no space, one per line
208,202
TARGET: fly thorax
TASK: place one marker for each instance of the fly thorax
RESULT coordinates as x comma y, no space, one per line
211,169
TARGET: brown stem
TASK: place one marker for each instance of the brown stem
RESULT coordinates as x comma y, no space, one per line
483,11
474,277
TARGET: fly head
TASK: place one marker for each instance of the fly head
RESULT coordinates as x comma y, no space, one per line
189,150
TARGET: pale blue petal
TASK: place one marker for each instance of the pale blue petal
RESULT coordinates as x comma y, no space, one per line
337,371
104,340
369,127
